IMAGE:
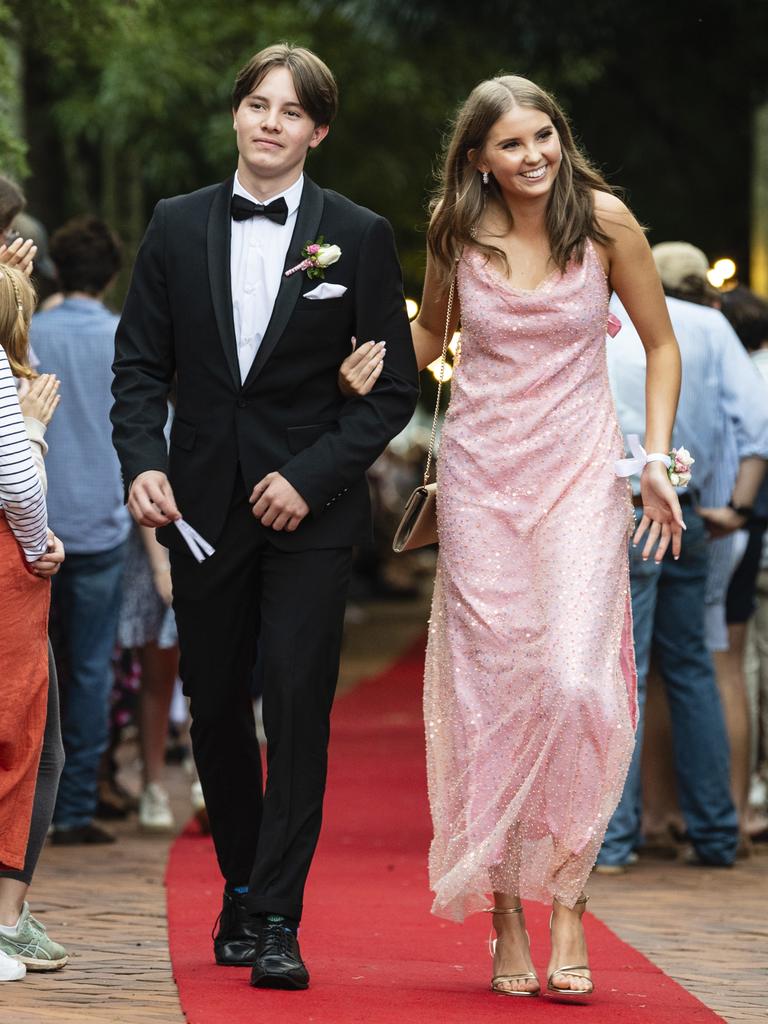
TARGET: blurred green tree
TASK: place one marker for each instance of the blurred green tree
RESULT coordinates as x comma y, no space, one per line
125,101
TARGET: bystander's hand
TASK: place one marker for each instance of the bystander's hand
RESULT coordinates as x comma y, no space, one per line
721,522
277,503
41,398
20,253
151,501
360,370
51,561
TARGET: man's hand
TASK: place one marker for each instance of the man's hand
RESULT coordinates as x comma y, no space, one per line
721,522
51,561
277,503
20,254
151,501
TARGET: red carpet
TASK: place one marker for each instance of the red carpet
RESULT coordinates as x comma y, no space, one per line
375,953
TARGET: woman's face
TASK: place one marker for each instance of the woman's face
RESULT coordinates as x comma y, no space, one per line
522,152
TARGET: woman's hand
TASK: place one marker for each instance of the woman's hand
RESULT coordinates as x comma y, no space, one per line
360,371
50,563
20,253
662,517
41,398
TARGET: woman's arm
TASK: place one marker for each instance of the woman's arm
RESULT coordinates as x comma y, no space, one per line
428,329
632,275
21,493
159,564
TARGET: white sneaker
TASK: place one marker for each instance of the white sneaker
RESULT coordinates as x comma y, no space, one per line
155,810
198,806
10,968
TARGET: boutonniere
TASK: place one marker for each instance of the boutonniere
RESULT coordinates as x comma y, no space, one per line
316,256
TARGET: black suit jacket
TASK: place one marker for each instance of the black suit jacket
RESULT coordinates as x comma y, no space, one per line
289,415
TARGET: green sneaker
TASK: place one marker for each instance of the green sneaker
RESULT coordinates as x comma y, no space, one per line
31,945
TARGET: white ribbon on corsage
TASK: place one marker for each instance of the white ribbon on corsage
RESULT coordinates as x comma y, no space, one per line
199,547
629,467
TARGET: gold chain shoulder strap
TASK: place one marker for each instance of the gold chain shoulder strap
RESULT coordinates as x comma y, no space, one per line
448,313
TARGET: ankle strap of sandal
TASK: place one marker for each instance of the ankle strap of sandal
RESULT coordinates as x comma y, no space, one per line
504,910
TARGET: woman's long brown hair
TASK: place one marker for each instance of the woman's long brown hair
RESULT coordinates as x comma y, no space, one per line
460,198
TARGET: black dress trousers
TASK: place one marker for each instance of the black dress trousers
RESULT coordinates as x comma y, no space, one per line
288,606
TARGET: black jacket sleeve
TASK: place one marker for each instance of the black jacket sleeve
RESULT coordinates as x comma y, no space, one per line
340,458
144,361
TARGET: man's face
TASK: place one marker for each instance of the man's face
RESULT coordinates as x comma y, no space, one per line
274,132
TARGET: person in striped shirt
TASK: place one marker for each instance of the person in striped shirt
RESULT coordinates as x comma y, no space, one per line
29,555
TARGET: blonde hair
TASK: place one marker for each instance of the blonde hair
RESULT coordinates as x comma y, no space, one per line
17,304
460,199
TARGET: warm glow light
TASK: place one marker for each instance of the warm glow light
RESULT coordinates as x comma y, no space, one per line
715,277
726,268
412,308
434,369
454,343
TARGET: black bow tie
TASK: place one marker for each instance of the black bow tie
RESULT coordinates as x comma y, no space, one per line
243,209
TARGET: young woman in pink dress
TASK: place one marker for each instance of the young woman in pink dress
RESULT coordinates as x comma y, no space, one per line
530,683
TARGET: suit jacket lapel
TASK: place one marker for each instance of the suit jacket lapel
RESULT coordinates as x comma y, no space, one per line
307,222
219,243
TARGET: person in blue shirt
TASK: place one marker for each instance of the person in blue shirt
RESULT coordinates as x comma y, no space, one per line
722,419
75,340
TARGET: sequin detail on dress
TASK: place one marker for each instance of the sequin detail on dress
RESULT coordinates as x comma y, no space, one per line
529,690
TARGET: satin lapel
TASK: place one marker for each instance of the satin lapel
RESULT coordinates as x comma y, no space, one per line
219,242
307,223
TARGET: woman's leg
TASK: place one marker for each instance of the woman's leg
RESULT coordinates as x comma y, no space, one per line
569,949
512,955
158,675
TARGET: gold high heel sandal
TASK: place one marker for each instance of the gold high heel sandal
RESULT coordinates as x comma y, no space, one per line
525,976
572,969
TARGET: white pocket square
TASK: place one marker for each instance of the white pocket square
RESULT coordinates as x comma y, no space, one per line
325,291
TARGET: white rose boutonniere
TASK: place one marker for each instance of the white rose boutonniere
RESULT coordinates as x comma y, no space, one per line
316,256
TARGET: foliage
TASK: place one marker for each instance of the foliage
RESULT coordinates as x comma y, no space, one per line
128,100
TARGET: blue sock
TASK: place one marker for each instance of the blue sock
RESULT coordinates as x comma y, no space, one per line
241,890
289,923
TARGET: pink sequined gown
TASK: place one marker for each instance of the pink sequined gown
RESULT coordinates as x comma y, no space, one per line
529,694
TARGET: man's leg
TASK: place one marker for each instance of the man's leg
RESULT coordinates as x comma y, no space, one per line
698,728
88,594
217,616
623,833
302,615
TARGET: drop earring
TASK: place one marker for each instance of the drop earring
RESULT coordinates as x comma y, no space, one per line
485,179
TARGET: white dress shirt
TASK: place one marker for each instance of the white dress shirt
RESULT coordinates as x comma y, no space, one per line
257,259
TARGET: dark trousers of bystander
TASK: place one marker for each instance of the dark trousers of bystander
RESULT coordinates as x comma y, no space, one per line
668,614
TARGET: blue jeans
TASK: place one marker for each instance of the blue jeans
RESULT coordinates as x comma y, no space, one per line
668,613
86,601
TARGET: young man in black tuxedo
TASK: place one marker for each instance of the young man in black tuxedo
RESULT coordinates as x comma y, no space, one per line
267,462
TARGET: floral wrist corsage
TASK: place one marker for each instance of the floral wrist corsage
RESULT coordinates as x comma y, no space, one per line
678,462
316,256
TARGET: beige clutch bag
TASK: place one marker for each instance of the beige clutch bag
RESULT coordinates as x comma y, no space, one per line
418,525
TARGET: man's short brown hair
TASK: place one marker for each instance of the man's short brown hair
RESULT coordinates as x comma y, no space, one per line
11,202
87,254
313,80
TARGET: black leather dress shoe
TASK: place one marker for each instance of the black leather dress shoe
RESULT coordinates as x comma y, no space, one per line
278,960
236,942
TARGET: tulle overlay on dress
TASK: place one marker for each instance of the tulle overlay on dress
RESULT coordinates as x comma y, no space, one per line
529,691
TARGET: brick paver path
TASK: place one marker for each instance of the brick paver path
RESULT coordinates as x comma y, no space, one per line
706,928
